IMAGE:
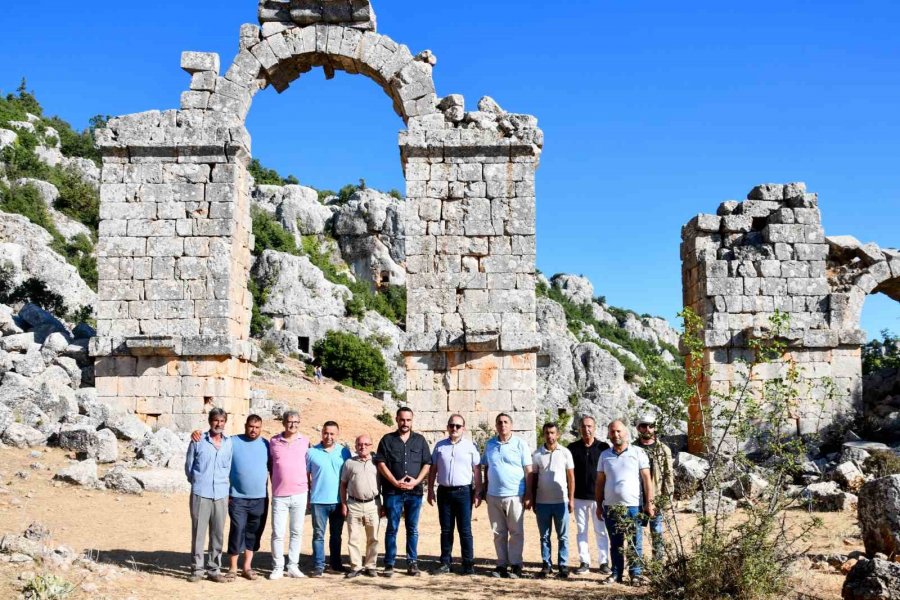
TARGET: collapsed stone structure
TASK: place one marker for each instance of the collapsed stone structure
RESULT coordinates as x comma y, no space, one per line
175,232
770,253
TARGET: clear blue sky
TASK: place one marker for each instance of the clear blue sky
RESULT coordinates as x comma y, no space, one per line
652,111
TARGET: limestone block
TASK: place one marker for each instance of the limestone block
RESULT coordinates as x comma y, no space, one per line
195,62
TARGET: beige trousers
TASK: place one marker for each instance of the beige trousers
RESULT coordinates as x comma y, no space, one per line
362,517
507,518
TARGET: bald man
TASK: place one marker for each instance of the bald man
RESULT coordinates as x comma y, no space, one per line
360,504
623,472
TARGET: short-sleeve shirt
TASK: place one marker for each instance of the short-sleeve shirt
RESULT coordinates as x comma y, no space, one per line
361,478
505,462
586,459
623,475
454,462
325,472
248,467
551,468
403,458
288,465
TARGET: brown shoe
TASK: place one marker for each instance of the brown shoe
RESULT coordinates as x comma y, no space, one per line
219,578
251,575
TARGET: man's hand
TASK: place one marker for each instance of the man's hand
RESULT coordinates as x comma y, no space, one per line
571,507
599,512
649,509
528,504
382,513
196,435
344,510
431,497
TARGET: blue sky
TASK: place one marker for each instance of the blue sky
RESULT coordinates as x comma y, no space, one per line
652,111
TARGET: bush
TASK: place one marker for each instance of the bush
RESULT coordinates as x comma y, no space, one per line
345,357
48,587
385,417
77,198
882,463
263,176
881,354
270,235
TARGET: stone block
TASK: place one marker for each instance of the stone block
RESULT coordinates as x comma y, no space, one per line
196,62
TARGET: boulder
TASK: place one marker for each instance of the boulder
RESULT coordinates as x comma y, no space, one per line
162,447
17,343
749,485
6,418
874,579
128,427
827,496
79,472
163,481
32,363
689,471
879,515
70,366
107,448
23,436
80,439
848,476
56,401
54,345
19,544
118,480
576,288
715,502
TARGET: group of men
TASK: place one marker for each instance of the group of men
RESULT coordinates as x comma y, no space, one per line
608,489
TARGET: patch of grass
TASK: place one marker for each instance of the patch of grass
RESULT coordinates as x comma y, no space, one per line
882,463
385,417
46,586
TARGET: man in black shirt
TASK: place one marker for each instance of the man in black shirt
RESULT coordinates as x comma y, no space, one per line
403,462
586,453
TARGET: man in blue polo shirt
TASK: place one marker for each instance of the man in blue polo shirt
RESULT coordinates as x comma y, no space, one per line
324,463
248,506
208,467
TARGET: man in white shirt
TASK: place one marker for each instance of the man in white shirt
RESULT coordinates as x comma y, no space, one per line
553,472
622,472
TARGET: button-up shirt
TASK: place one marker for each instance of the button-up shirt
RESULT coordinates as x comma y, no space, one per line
208,468
403,458
506,462
586,459
454,462
361,477
325,468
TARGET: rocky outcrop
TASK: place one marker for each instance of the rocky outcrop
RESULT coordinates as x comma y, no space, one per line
600,384
879,515
874,579
576,288
67,226
881,402
296,207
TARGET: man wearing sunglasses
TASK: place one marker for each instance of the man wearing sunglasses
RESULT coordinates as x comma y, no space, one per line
661,472
456,468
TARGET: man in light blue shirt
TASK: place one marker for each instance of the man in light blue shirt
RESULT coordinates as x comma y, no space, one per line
324,463
456,468
208,468
507,462
249,502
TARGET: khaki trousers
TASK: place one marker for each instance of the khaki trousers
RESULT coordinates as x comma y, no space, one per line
362,517
506,515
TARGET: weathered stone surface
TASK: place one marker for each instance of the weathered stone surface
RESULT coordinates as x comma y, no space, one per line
80,439
128,427
848,476
118,480
879,515
163,448
714,502
162,481
828,497
689,471
750,485
80,473
574,287
23,436
874,579
107,448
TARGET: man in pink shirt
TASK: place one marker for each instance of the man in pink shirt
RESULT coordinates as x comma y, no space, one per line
287,465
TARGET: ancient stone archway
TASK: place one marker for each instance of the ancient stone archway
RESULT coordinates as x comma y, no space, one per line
770,253
175,232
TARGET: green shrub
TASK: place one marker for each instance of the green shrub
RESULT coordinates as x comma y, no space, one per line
34,291
263,176
882,463
325,195
881,354
48,587
385,417
345,357
77,198
268,349
259,323
270,235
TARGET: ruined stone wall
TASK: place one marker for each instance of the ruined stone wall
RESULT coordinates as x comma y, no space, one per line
770,253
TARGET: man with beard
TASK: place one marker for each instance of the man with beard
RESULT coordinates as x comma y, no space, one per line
622,472
248,505
208,467
403,461
661,472
324,463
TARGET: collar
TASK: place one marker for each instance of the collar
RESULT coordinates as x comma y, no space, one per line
613,448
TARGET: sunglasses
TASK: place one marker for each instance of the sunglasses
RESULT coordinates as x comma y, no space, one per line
455,426
647,425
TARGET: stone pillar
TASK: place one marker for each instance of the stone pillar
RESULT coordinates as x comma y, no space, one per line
173,260
471,336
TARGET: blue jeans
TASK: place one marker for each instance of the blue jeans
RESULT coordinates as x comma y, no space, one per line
556,515
329,514
617,531
455,507
395,505
656,535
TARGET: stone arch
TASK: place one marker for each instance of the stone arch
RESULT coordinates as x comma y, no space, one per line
175,235
856,271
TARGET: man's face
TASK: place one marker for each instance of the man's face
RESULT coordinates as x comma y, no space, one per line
618,435
329,436
551,435
587,428
504,426
252,429
455,428
364,446
291,425
217,424
647,431
404,422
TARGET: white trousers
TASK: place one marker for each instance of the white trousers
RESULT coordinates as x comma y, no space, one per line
290,511
585,515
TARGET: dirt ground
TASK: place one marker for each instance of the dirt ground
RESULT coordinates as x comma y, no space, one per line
148,537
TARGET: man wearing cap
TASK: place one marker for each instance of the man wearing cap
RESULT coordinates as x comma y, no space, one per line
661,472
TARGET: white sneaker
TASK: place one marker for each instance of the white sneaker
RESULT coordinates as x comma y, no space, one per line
276,574
295,572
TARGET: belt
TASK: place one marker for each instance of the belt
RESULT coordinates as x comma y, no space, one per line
360,500
454,488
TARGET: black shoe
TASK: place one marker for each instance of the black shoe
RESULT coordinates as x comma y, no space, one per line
339,569
388,571
605,570
582,569
467,570
370,572
515,572
500,572
441,570
353,574
413,570
544,572
317,573
563,573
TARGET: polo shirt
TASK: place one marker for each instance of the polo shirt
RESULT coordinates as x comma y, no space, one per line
506,462
454,462
325,471
248,467
403,458
550,468
623,475
288,460
586,459
208,468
